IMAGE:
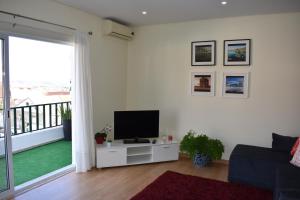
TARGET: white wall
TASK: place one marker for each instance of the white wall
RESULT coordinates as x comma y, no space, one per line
158,77
108,55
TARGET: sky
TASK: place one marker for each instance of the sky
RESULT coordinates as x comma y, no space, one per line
39,62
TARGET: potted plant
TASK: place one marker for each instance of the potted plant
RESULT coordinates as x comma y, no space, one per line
66,115
109,143
201,148
101,136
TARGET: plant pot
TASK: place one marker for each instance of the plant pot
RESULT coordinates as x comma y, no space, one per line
201,160
108,144
100,140
67,127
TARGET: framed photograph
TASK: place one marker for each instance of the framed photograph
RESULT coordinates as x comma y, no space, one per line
203,83
237,52
235,85
204,53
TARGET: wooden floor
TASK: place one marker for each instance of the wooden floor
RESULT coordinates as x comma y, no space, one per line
118,183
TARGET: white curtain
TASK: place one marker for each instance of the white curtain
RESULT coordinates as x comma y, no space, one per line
82,115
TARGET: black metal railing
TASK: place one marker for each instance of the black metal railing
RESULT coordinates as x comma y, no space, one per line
31,118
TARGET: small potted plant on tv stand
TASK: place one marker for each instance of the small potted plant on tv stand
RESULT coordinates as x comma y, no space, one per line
101,136
109,143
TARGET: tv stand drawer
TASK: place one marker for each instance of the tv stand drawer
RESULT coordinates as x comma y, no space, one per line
165,152
109,157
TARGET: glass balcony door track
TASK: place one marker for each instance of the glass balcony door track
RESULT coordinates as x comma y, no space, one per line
6,172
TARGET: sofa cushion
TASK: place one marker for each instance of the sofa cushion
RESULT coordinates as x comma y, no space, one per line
283,143
289,195
255,165
287,183
295,147
296,158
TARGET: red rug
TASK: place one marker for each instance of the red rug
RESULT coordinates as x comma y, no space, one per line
175,186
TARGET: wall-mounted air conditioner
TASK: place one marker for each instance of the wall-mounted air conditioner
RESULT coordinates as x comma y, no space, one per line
117,30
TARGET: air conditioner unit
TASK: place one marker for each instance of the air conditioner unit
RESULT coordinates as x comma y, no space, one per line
117,30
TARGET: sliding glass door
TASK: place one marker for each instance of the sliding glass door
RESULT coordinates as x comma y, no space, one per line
34,87
6,182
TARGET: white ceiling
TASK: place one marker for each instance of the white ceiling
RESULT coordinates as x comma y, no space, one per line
168,11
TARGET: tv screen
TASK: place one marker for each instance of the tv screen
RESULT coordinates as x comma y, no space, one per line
136,124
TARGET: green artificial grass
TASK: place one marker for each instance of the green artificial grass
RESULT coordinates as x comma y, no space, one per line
36,162
3,184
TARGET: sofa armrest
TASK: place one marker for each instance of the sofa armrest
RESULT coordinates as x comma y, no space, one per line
289,195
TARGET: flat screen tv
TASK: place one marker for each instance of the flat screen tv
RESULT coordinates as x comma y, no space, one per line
136,124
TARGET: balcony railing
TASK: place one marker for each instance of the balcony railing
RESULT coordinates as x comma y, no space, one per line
31,118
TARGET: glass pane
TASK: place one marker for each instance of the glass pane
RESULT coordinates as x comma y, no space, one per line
3,154
40,74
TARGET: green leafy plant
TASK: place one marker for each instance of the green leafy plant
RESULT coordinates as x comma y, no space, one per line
66,113
193,143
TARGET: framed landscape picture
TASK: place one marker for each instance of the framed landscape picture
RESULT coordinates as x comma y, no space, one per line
204,53
235,85
237,52
203,83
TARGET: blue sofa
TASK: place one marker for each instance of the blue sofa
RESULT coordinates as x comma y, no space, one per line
268,168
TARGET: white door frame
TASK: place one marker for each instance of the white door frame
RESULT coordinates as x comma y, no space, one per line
6,117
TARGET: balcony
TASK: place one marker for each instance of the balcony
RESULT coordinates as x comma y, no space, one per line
37,141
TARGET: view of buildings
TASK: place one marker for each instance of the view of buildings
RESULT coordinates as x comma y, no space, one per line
28,95
40,73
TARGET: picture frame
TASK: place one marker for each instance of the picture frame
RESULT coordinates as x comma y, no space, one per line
203,53
236,85
203,83
237,52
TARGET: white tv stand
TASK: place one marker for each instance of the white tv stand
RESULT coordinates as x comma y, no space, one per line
120,154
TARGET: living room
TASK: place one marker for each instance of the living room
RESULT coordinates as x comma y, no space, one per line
155,71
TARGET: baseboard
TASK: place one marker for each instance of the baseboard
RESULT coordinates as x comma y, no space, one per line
222,161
